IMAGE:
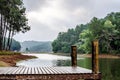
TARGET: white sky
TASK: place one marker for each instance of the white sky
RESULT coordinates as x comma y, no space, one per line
49,17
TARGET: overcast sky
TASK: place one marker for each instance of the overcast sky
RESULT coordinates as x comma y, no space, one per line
49,17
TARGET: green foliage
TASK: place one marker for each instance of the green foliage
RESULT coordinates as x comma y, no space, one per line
115,20
9,53
12,21
66,39
15,46
106,30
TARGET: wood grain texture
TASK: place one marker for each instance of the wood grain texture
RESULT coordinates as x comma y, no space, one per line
47,73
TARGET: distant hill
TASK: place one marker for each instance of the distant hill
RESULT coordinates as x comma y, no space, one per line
36,46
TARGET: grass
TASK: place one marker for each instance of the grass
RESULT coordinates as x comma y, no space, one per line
9,53
3,64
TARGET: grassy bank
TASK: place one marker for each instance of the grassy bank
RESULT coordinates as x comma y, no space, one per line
89,55
100,56
10,58
9,53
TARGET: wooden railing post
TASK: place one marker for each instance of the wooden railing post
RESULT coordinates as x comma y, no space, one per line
95,66
74,56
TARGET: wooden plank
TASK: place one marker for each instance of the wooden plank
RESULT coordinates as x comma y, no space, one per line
74,69
39,70
2,69
29,70
70,69
65,69
59,70
44,68
26,70
55,71
8,71
43,72
50,71
15,70
19,70
32,70
36,70
83,70
22,70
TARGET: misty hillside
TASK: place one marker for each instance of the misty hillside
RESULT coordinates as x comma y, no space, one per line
36,46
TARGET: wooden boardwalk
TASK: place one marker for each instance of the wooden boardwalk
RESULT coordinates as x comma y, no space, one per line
46,73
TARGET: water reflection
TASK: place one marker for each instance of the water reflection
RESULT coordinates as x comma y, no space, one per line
110,69
45,60
62,62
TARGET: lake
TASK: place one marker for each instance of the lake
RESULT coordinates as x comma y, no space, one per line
110,68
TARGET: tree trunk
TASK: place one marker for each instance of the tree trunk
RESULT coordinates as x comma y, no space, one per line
1,33
8,41
4,38
4,29
11,39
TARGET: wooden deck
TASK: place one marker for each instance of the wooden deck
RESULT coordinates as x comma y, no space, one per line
46,73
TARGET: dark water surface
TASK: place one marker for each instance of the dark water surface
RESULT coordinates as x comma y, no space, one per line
110,68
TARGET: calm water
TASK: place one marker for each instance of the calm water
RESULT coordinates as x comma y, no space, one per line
110,68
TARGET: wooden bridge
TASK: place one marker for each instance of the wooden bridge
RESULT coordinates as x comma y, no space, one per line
55,73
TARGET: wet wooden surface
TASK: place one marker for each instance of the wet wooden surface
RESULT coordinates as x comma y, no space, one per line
43,70
47,73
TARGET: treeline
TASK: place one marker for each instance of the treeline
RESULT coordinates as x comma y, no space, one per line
36,46
44,47
106,30
12,21
15,46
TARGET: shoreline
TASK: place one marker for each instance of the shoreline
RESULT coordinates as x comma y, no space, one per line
108,56
11,60
111,56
